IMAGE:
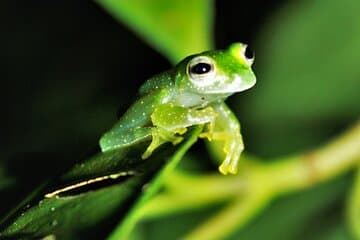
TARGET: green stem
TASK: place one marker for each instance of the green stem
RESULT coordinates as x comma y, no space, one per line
191,192
335,158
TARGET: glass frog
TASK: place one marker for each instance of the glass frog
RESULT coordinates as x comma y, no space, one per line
192,93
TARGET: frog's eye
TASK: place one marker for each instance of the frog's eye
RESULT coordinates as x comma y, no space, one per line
249,55
201,69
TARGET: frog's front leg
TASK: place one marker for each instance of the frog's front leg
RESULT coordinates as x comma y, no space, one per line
227,129
161,136
171,121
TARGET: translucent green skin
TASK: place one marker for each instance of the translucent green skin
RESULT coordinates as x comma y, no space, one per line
172,101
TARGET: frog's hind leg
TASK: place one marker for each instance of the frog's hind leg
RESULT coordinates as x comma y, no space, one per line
118,139
161,136
227,131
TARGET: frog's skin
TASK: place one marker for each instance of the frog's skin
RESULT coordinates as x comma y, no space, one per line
192,93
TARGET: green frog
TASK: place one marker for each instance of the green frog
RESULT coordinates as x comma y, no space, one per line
191,93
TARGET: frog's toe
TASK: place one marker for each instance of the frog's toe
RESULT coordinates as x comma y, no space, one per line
223,169
180,131
233,169
230,164
176,140
207,135
226,169
156,142
225,165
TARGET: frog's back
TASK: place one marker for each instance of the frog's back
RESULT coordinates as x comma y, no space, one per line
160,81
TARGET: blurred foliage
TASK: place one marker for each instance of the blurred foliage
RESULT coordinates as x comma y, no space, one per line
176,28
297,216
64,84
353,207
308,76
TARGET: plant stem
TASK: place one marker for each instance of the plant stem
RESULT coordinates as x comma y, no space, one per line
329,161
224,222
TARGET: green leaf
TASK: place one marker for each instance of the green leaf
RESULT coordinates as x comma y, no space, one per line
175,28
73,212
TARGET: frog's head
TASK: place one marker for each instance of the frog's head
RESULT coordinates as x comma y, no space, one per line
218,73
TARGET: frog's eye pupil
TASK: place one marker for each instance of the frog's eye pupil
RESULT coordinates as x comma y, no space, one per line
200,68
248,53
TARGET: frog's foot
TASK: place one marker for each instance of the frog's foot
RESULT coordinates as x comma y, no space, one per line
230,164
161,136
233,147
